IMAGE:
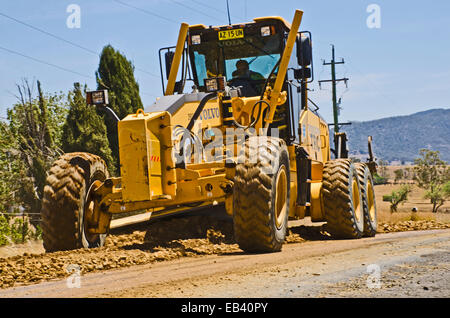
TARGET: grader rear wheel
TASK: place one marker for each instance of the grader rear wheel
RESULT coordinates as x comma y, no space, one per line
342,199
68,202
261,196
368,199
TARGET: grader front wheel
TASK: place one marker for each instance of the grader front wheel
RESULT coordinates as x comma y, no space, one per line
68,201
261,196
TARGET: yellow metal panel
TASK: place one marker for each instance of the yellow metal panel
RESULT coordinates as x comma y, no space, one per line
310,135
325,145
145,148
197,27
134,160
316,192
293,193
154,155
211,114
316,202
287,25
159,123
154,160
316,170
300,212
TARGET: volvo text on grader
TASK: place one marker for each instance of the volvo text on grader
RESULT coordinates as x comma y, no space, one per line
246,137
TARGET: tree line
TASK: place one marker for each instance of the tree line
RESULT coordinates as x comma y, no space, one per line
41,126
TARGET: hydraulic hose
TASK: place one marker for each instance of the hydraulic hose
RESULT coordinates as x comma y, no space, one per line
253,123
200,109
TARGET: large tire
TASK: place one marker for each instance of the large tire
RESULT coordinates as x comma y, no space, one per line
63,206
368,199
261,195
342,200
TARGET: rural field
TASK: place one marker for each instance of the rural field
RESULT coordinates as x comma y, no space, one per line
415,200
404,213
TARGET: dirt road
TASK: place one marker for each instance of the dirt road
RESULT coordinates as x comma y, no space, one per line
404,264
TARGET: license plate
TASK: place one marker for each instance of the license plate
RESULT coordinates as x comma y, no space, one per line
231,34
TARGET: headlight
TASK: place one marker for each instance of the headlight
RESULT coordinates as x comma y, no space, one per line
215,84
98,98
265,31
195,39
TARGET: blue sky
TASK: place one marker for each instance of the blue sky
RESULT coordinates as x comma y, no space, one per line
401,68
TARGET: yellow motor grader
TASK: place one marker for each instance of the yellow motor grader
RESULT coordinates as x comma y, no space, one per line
246,137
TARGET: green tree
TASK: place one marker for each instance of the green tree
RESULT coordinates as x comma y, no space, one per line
399,174
116,74
432,174
397,197
383,169
35,127
438,195
408,173
84,130
10,170
377,179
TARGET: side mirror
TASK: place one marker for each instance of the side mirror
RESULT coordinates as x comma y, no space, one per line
304,50
179,86
169,59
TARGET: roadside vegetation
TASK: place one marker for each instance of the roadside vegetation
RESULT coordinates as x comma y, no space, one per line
41,126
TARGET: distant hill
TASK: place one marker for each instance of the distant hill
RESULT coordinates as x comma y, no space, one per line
400,138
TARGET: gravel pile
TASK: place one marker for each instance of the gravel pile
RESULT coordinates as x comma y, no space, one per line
412,226
161,240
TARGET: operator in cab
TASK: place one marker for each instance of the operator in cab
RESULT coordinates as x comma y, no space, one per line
250,82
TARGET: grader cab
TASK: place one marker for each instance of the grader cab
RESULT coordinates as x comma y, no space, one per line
245,138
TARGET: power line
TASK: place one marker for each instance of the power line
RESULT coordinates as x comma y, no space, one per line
64,40
213,8
145,72
49,34
146,11
207,6
192,9
46,63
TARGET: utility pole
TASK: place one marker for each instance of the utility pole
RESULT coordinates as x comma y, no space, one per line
333,85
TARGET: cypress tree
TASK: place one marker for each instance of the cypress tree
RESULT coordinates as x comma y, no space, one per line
116,74
84,130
